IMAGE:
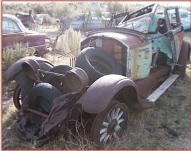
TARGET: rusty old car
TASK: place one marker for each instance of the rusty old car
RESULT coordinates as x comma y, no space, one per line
46,19
127,67
13,32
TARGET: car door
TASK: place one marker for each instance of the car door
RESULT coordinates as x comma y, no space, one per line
175,31
12,33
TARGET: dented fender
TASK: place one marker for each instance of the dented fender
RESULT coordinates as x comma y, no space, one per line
35,62
16,73
102,91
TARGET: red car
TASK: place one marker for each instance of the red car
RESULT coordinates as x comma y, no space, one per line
15,32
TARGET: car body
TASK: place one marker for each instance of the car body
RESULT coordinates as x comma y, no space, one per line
13,32
26,18
147,45
120,68
45,19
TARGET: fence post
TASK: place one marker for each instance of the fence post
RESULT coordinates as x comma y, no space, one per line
72,61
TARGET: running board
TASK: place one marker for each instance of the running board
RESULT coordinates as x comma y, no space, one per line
162,88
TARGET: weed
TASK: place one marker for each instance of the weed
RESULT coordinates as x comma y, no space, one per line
69,42
10,55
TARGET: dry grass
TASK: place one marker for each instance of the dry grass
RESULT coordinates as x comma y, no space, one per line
69,42
10,55
58,58
166,126
67,47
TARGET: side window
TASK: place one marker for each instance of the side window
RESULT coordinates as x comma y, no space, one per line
10,26
173,18
5,26
184,15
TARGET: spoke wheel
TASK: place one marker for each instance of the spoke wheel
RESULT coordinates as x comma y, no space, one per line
109,124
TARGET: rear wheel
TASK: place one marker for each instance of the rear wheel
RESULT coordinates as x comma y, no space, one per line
109,124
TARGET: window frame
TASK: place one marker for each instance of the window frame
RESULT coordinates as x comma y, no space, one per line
14,24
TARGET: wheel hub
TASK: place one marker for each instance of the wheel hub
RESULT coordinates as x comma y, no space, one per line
111,126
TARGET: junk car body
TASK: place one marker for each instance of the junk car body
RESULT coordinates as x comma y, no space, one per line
13,32
46,19
26,18
146,44
123,68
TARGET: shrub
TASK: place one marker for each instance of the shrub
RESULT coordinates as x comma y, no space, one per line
69,42
38,9
115,8
10,55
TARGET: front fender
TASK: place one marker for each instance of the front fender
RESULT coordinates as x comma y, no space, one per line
102,91
35,62
15,72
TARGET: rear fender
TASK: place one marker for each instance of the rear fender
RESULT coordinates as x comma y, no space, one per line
102,91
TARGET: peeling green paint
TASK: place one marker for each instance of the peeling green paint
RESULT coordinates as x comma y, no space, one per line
142,58
163,43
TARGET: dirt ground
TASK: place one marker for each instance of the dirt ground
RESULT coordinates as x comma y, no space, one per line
166,126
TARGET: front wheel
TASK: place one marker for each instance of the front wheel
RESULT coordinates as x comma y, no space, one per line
109,124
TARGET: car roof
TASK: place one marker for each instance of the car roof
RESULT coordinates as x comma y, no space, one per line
10,16
22,13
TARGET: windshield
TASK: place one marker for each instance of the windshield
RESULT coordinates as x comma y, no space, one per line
139,20
140,24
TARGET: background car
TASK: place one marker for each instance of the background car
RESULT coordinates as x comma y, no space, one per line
185,17
88,22
26,18
45,19
13,32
